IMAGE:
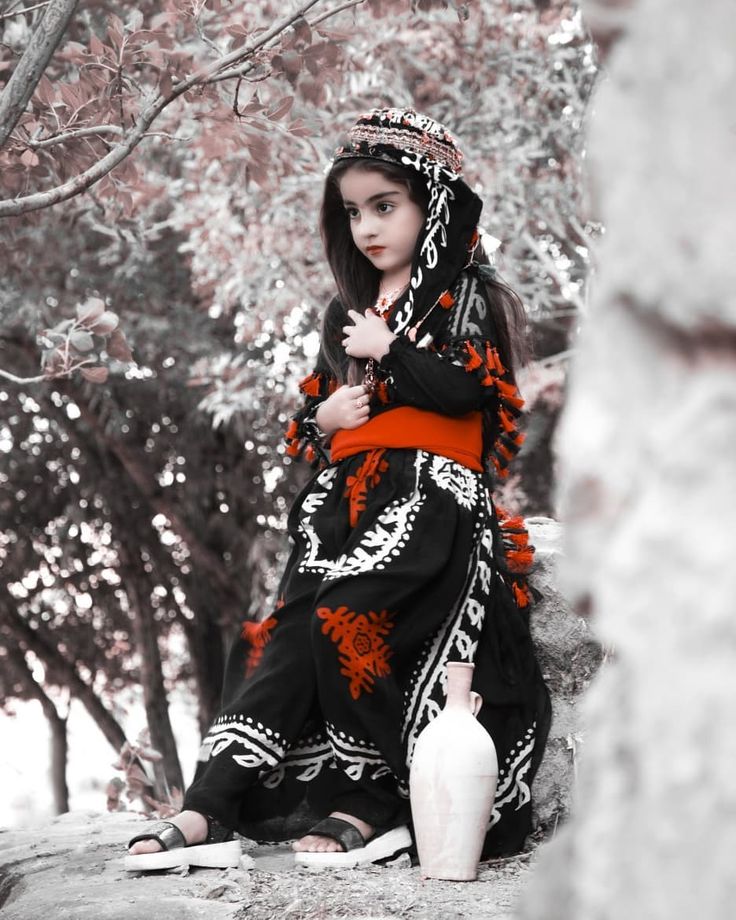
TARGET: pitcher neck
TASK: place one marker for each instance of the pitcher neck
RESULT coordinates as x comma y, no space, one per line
459,681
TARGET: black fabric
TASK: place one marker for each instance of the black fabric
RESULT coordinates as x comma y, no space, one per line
434,377
323,701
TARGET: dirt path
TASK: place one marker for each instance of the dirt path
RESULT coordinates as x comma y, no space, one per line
71,869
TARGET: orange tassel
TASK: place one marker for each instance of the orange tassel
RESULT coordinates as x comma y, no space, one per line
522,595
520,560
446,300
475,359
493,362
293,449
505,452
311,385
309,453
509,393
292,430
518,539
507,422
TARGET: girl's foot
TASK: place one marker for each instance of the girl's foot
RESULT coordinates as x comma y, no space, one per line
191,823
313,843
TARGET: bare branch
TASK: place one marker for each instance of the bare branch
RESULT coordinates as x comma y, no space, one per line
208,74
6,375
330,13
26,9
29,69
79,132
40,378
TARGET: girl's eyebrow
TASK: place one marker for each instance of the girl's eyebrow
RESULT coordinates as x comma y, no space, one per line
373,197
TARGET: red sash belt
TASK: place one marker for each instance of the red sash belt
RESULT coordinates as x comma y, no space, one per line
459,438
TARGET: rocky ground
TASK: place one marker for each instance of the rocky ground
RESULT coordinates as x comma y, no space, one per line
71,869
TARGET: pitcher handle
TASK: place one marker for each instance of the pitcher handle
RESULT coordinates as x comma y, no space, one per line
476,701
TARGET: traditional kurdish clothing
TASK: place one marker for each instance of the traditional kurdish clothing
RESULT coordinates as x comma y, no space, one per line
399,560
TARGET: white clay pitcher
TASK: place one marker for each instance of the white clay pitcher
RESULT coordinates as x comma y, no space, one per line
452,783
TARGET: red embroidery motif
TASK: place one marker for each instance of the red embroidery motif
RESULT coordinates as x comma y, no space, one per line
367,475
258,635
359,639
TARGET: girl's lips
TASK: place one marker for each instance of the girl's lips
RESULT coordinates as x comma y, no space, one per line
374,249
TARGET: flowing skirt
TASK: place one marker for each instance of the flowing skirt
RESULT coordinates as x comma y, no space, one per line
393,571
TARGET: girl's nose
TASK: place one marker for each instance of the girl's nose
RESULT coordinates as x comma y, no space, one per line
368,227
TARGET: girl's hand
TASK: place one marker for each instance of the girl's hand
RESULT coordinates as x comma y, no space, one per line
347,407
370,337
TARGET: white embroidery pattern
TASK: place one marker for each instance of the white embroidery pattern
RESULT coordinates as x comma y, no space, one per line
512,784
263,745
458,637
313,502
456,478
308,756
456,640
388,535
440,180
356,756
469,306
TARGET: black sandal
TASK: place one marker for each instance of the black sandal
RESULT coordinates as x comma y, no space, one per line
218,850
384,843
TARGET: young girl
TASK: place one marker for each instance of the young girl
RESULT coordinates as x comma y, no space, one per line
399,562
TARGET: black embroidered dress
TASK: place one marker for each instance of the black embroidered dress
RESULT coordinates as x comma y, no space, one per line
399,563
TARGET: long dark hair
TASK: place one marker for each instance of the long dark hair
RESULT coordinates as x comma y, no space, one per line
358,280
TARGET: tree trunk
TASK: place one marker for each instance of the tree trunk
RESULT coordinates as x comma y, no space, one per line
16,662
168,771
32,64
206,645
64,672
59,756
648,472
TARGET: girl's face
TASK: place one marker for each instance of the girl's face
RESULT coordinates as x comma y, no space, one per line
384,221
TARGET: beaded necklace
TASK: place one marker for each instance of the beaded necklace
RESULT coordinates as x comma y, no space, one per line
382,306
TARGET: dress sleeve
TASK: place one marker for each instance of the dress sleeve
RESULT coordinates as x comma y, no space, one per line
430,380
463,372
303,436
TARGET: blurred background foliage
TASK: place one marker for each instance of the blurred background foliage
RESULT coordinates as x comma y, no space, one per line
144,517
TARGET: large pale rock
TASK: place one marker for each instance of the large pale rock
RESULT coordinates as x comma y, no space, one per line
569,656
648,462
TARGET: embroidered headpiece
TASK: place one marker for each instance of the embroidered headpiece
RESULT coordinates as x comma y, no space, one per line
404,129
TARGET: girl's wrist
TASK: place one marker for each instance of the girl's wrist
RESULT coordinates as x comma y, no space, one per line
382,350
324,432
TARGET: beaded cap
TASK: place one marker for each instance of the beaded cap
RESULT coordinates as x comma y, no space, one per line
406,130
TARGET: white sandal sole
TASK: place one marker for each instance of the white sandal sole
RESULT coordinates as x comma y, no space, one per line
392,843
210,855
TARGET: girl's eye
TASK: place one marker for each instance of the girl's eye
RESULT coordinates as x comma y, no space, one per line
383,207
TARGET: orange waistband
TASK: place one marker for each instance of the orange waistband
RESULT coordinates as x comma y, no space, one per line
458,438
